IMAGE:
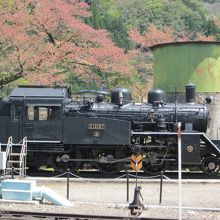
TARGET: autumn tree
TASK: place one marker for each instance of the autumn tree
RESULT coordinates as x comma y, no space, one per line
152,36
141,57
43,40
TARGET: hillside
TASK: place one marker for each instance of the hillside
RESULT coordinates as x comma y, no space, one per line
213,9
185,17
104,44
137,24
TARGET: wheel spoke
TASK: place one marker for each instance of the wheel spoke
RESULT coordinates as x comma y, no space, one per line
106,165
153,169
107,168
152,163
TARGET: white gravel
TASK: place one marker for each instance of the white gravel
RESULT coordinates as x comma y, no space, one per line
109,197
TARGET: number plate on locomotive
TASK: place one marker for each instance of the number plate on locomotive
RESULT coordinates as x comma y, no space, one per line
93,126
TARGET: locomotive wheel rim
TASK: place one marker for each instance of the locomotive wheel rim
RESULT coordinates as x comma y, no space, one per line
109,169
210,165
62,167
154,169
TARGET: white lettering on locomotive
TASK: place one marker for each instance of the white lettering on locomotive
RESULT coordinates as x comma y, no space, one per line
93,126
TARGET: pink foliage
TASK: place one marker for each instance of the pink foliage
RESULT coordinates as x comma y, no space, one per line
43,34
152,36
155,36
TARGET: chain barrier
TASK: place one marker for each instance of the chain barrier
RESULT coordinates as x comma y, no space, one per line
59,175
144,177
88,179
77,176
69,174
127,175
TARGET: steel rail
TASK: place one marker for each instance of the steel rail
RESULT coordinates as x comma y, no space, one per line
4,214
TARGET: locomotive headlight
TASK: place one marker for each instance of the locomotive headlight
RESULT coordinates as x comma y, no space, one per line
189,148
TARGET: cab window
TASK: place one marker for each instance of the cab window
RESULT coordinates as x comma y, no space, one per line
43,113
17,112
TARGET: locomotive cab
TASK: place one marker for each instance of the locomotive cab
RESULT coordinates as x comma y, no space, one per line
36,112
4,119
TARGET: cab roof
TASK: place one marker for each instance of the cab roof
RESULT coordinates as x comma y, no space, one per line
40,91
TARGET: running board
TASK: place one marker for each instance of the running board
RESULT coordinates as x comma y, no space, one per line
209,143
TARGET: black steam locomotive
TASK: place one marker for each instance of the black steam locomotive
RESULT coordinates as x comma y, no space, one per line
100,129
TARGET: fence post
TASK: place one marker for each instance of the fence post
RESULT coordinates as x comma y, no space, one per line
12,172
179,168
68,183
161,186
127,172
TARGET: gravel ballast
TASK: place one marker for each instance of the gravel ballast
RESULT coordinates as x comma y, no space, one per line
109,197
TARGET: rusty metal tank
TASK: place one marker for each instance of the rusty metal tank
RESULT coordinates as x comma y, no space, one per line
180,63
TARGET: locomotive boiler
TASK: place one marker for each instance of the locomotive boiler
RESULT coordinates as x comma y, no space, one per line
97,129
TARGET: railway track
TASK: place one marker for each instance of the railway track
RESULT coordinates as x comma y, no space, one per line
58,216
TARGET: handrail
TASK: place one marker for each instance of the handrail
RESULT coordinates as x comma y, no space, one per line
9,147
23,150
23,155
8,151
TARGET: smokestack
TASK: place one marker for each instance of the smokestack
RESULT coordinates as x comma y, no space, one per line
190,93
